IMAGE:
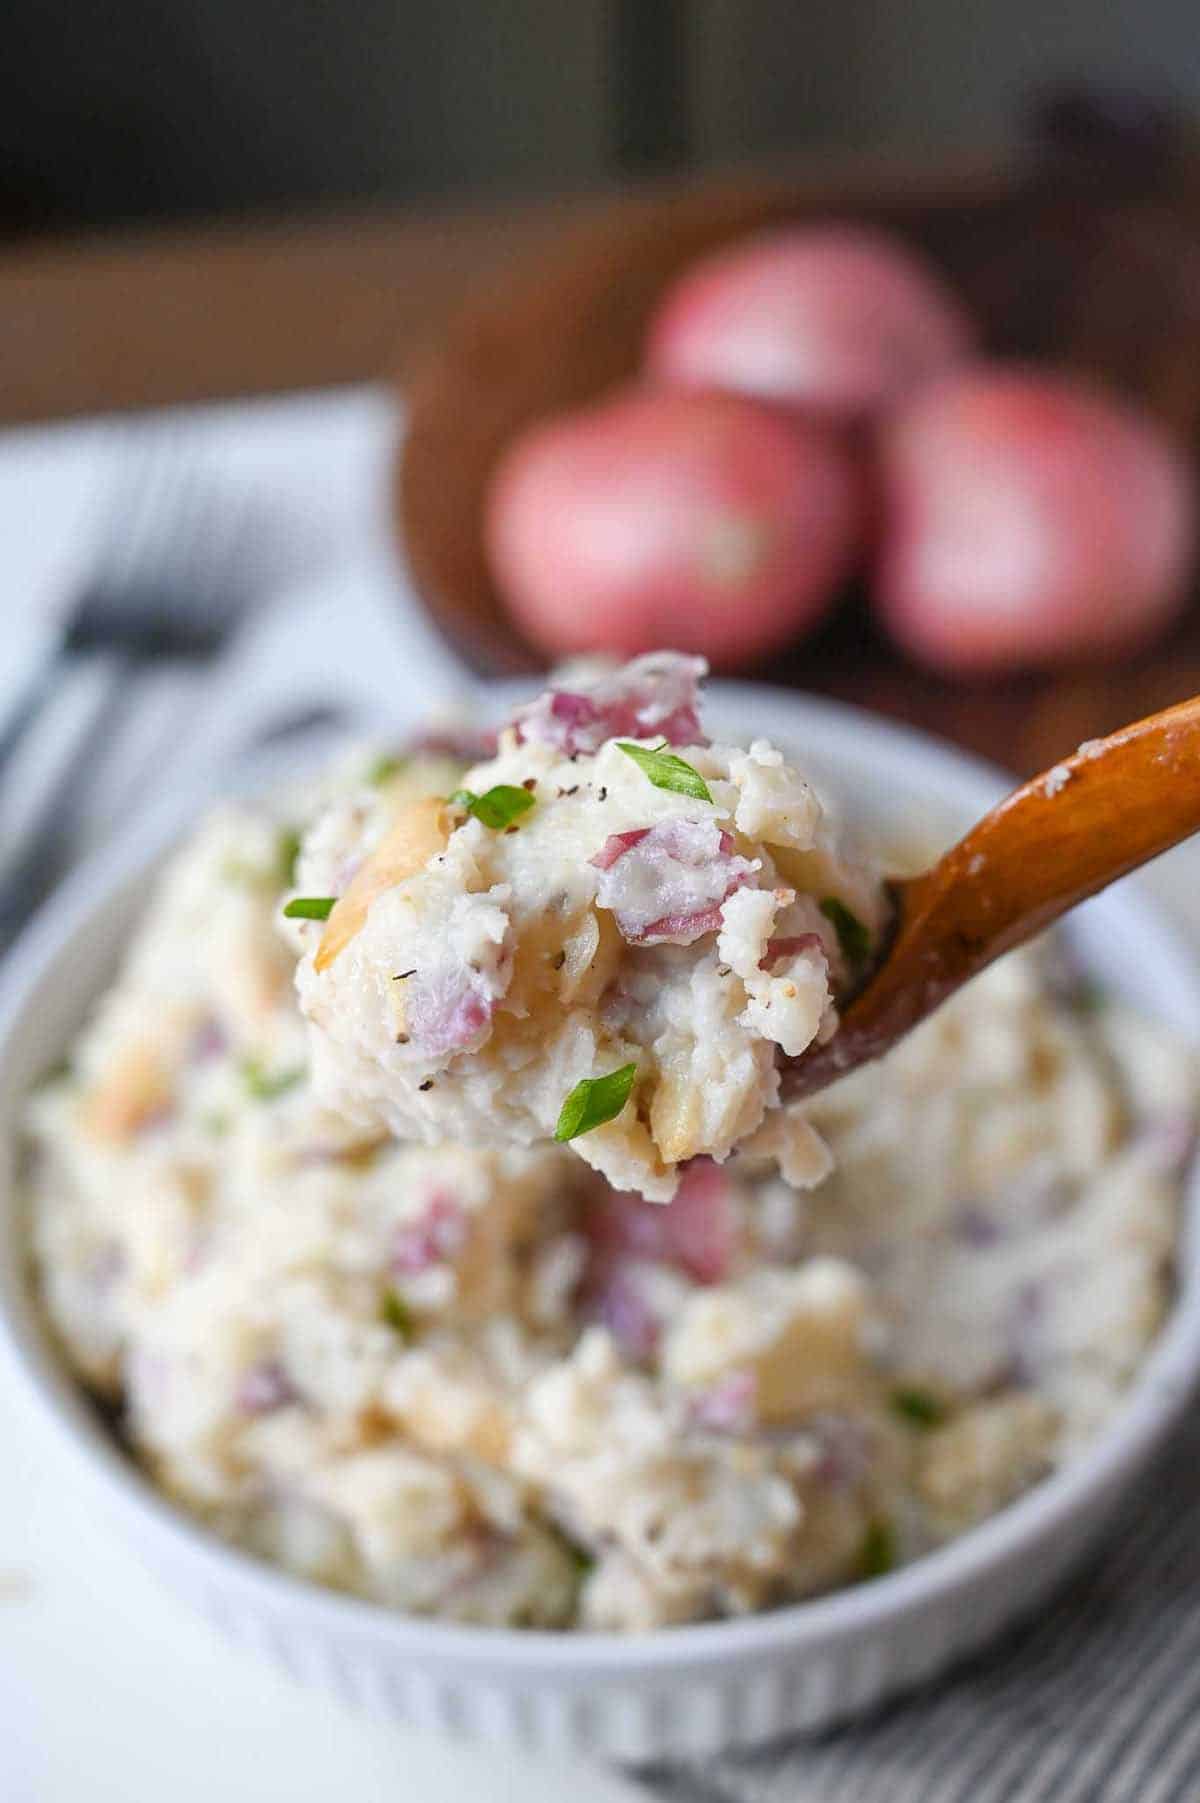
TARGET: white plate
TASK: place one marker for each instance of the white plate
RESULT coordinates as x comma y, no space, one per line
681,1690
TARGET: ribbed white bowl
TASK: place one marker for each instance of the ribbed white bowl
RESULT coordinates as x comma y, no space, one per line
682,1690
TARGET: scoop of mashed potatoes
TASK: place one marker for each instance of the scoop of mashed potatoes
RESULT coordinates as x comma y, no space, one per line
610,933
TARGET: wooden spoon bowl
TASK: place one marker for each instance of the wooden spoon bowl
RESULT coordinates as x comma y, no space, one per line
1052,843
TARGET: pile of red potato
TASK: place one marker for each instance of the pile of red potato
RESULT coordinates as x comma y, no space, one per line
813,404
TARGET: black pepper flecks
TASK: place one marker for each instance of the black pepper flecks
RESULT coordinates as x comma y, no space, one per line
428,1084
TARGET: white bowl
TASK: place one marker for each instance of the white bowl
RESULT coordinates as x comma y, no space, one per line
689,1690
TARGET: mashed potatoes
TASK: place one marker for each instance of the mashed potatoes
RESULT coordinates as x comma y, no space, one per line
610,909
481,1384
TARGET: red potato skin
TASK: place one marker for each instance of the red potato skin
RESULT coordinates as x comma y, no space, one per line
1029,518
697,520
838,320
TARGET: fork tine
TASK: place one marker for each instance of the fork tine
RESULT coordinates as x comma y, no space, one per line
207,559
147,470
167,483
172,572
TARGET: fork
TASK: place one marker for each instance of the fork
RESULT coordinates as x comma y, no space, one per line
170,584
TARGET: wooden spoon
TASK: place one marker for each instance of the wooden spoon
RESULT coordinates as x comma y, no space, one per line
1060,838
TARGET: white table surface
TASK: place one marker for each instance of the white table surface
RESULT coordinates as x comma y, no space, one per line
111,1691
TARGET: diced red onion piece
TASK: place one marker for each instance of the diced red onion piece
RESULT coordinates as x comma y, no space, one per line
106,1266
702,1228
696,1232
447,1011
616,845
264,1387
1025,1332
437,1236
619,1302
653,697
681,929
976,1226
845,1450
1169,1139
729,1406
208,1041
790,948
666,884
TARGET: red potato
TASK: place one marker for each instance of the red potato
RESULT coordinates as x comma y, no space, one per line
837,319
696,520
1029,518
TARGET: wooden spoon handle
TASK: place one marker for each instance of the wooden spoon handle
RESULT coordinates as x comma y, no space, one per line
1053,842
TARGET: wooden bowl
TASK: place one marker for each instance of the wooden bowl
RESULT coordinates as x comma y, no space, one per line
1054,263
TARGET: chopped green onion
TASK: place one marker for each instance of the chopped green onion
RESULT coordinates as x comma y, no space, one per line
877,1555
384,769
666,771
594,1101
310,907
583,1561
395,1313
242,872
264,1085
498,808
288,850
921,1407
1090,996
853,936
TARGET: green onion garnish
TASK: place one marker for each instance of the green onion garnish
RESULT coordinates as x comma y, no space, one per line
853,936
245,874
498,808
395,1313
384,769
287,851
264,1085
310,907
594,1101
921,1407
583,1561
666,771
877,1555
1090,996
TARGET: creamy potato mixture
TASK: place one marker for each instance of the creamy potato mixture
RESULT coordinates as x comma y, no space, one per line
611,908
476,1381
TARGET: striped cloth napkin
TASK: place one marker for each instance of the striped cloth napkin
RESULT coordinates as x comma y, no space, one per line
1095,1701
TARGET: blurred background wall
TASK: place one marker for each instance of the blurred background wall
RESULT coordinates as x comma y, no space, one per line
136,109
